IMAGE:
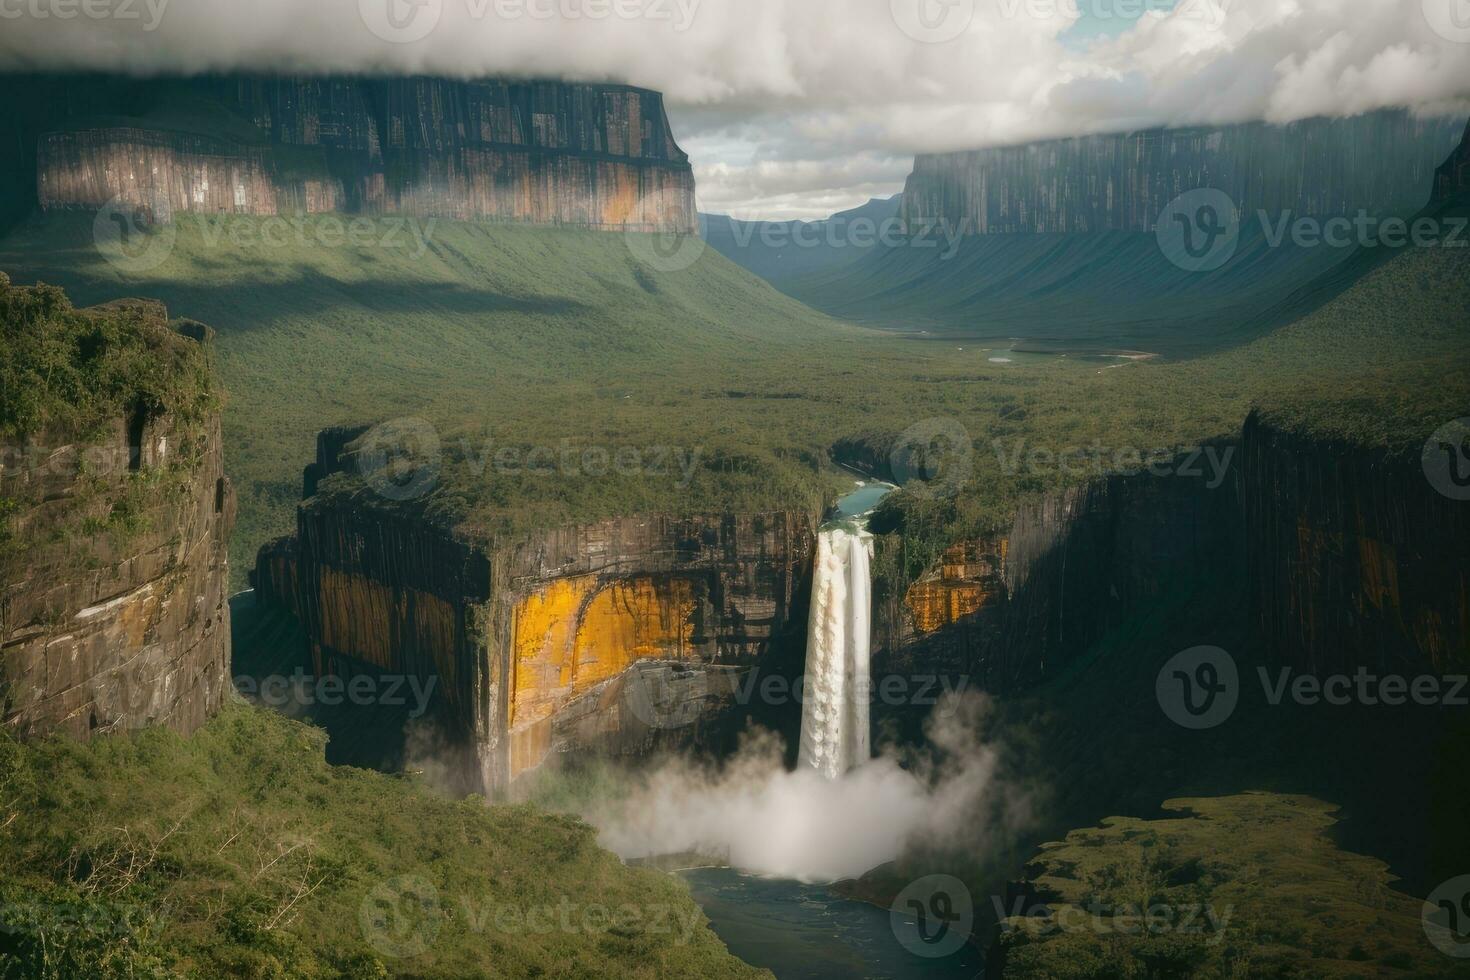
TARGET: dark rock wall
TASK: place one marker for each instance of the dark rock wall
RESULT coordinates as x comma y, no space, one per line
1354,559
1123,182
104,633
610,637
597,156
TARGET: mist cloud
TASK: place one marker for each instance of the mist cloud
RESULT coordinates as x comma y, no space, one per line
792,107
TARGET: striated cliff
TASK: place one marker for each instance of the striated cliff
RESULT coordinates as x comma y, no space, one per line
1122,182
1350,558
609,637
113,576
594,156
1353,557
1452,179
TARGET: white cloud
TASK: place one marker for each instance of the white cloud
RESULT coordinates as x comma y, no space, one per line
819,101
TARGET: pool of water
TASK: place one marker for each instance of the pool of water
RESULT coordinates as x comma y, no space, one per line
804,932
862,500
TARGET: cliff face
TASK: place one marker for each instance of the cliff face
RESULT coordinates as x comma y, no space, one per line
115,614
1008,611
595,156
611,637
1123,182
1452,179
1350,557
1354,559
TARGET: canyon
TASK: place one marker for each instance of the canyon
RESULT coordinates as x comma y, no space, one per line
549,153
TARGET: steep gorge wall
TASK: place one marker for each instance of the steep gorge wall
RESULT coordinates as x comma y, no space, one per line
609,637
1123,182
107,626
595,156
1350,557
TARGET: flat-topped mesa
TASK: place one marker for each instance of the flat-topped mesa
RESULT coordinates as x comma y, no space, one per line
1379,162
551,153
616,636
114,610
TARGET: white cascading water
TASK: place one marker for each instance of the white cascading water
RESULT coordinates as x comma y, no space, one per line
834,714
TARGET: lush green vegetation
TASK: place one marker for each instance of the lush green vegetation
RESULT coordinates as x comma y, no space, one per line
240,852
1230,887
508,337
69,372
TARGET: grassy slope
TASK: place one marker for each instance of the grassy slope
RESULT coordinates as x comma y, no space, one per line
1111,290
239,852
526,336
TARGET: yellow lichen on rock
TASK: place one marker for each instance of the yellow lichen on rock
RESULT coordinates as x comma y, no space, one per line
575,633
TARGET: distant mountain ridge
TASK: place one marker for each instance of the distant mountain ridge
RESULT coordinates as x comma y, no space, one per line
782,251
537,152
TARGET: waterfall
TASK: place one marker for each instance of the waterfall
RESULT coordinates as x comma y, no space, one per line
834,713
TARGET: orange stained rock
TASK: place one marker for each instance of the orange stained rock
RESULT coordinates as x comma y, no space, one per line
935,605
575,633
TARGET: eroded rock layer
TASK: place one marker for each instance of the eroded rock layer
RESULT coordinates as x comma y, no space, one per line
611,637
1379,162
594,156
115,614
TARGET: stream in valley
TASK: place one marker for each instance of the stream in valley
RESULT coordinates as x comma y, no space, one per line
805,932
